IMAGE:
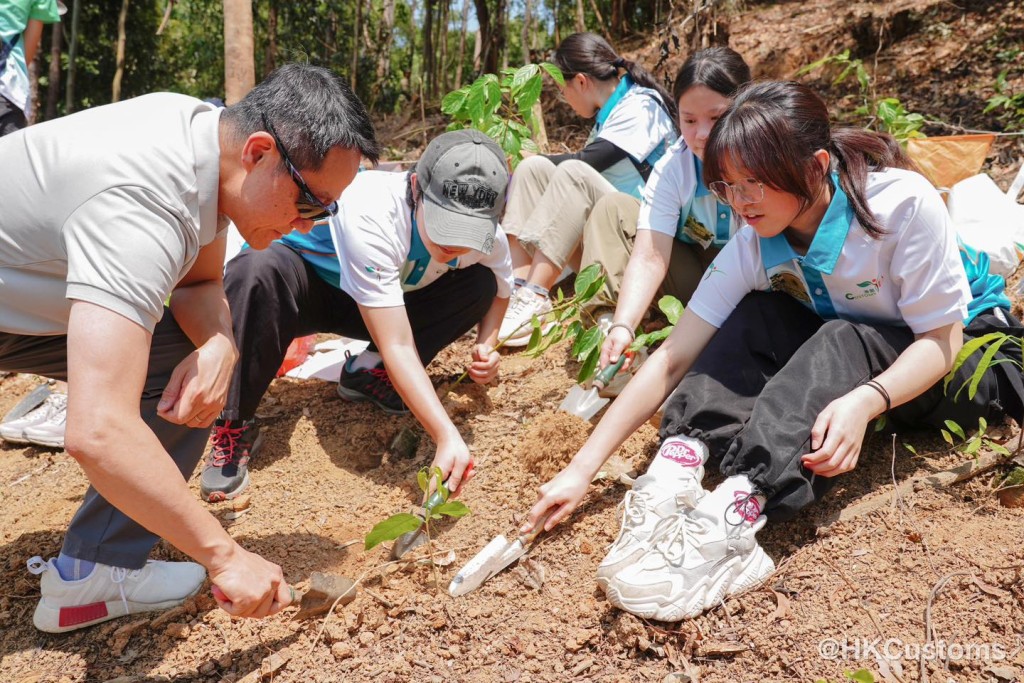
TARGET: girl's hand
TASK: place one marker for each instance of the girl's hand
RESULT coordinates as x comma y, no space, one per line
561,495
615,344
838,433
484,367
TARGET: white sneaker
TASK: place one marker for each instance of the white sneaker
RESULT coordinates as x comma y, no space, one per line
644,507
110,592
523,306
54,407
49,431
696,558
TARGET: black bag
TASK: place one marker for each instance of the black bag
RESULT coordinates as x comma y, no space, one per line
6,49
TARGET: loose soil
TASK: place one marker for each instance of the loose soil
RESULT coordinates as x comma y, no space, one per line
948,560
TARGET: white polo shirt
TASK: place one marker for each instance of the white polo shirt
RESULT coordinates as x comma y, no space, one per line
109,205
380,253
677,203
912,276
635,121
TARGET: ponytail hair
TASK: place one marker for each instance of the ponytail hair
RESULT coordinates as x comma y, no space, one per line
772,131
592,55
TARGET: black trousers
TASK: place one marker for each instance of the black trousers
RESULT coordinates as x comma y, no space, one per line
12,118
99,532
276,296
754,393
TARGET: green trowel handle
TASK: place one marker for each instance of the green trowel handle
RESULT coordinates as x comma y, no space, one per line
605,376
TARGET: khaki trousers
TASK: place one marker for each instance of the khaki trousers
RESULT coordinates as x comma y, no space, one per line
548,205
608,239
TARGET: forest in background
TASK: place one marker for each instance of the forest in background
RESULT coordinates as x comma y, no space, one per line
395,53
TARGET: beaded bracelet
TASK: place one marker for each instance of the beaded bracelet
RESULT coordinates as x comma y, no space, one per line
881,390
627,328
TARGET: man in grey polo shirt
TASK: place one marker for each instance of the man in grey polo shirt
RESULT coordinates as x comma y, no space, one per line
105,213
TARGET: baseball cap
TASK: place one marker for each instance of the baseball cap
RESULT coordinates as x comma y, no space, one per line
462,176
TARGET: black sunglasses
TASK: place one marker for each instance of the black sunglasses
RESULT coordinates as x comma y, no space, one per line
308,205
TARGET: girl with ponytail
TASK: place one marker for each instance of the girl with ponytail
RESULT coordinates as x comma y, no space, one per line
552,196
845,296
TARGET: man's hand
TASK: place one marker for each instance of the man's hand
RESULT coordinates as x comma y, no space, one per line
484,367
198,387
246,585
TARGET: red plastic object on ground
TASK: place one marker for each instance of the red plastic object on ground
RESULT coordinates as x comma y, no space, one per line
298,352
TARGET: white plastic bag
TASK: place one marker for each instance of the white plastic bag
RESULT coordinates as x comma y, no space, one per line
988,220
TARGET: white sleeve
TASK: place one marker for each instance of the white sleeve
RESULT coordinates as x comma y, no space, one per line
926,266
734,273
369,255
500,262
663,202
637,126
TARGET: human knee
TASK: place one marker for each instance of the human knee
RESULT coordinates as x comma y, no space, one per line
535,166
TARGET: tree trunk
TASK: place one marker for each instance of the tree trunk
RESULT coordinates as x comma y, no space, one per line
356,33
462,44
122,38
385,38
524,38
270,53
483,35
33,89
478,48
239,64
554,16
581,20
427,68
442,31
53,88
69,92
600,18
506,12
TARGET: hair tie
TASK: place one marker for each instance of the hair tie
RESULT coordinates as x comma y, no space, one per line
619,63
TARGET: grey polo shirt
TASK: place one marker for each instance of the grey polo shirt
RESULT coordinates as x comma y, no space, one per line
110,206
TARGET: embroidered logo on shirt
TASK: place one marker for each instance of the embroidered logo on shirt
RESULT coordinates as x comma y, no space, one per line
712,269
470,194
867,288
789,283
373,270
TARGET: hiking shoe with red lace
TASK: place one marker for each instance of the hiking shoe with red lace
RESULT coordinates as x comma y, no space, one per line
372,385
232,444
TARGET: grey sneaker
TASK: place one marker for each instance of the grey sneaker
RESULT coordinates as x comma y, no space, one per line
232,444
49,418
372,384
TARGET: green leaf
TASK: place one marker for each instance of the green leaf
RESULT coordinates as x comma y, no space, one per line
946,436
910,448
529,95
966,351
998,448
554,72
983,366
455,100
589,365
860,676
522,75
587,342
391,528
671,307
973,446
880,423
453,508
586,277
982,425
651,338
955,428
421,479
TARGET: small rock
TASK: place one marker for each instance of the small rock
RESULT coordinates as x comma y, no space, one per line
366,638
586,548
208,668
241,503
439,622
1003,673
385,630
342,651
178,630
225,661
353,620
335,632
677,677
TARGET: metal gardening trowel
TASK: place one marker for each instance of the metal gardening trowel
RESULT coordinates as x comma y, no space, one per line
495,556
585,403
414,539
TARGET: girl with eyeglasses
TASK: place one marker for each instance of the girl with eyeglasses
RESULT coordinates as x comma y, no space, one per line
845,296
666,240
551,196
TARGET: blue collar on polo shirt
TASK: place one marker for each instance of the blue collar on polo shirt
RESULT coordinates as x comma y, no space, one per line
828,240
698,167
625,83
420,257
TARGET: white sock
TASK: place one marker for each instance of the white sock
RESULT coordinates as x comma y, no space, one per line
366,360
679,456
735,494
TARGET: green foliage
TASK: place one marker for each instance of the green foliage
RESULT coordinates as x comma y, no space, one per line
673,309
887,115
971,445
1009,105
502,107
1014,478
437,506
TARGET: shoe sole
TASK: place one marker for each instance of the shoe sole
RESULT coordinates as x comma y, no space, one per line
46,442
353,396
11,438
753,572
64,619
523,340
